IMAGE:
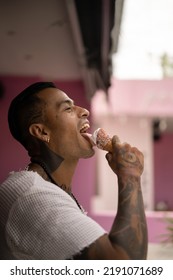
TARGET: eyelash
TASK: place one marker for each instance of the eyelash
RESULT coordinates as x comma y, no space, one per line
68,109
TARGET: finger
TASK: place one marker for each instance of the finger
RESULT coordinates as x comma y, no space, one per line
108,157
115,140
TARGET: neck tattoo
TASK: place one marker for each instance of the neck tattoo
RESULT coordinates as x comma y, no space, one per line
63,187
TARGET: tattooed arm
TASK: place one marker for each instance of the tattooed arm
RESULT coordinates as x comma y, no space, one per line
128,236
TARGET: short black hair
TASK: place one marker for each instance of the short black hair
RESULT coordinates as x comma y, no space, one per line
24,108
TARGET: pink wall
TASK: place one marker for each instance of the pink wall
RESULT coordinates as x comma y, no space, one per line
163,170
142,97
13,156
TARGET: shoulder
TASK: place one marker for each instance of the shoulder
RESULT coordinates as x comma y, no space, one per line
15,179
22,181
14,186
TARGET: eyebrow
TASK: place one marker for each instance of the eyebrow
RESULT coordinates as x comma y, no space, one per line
66,101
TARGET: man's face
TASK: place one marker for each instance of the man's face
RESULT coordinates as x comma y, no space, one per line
67,124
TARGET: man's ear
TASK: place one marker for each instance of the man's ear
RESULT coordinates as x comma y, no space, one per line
39,131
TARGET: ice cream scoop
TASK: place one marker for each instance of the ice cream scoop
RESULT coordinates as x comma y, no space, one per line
102,140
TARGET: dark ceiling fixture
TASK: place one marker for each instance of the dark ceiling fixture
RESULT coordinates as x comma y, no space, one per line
92,22
1,90
96,19
157,130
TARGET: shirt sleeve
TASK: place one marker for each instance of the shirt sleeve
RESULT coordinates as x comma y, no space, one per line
47,224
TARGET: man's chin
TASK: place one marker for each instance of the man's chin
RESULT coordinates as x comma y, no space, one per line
91,153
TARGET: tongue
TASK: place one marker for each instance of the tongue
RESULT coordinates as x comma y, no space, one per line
88,137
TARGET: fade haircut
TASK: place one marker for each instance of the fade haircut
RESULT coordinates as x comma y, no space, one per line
26,109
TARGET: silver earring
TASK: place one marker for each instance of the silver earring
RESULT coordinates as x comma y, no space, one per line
46,139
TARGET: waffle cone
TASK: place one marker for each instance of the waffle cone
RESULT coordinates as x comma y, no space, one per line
103,140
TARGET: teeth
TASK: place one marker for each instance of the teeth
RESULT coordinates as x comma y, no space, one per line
84,127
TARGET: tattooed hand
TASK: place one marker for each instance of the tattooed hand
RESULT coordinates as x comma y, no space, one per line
125,159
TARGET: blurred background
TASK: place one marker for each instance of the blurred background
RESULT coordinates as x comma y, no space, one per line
114,57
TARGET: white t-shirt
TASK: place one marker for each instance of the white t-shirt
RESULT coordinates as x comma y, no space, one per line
38,220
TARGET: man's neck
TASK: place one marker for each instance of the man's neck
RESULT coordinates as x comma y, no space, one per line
63,175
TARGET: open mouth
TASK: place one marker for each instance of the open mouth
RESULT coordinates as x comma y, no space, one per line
85,134
84,128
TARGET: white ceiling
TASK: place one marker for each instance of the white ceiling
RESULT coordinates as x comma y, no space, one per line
36,39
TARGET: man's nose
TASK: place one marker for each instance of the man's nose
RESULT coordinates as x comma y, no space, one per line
82,112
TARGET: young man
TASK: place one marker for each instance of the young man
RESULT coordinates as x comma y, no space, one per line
39,216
